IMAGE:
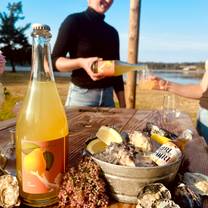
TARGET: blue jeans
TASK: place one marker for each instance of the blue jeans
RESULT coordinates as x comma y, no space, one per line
202,123
102,97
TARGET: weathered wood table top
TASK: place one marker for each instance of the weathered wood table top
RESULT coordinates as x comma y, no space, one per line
84,123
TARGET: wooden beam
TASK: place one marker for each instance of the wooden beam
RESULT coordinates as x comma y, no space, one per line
133,45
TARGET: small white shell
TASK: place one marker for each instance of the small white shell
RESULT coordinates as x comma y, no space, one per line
9,191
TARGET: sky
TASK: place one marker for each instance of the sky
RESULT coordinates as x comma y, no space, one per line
170,30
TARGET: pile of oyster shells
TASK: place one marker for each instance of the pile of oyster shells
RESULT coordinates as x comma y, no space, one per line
186,194
137,149
134,151
188,189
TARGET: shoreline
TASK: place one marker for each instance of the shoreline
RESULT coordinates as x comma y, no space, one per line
17,83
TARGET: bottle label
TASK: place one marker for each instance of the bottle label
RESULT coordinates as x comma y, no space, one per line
43,164
167,153
106,67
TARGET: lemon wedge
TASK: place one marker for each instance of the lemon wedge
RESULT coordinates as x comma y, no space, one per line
96,146
108,135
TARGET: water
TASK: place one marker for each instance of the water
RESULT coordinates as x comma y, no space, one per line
28,69
182,77
178,76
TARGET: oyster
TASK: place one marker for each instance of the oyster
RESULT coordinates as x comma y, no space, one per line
144,161
153,129
185,197
140,141
120,154
9,191
125,154
150,194
165,203
197,182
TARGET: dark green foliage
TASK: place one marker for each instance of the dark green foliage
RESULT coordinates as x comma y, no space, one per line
13,42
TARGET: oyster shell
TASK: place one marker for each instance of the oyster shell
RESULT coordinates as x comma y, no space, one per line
197,182
151,193
144,161
140,141
152,128
9,191
185,197
119,154
165,203
125,154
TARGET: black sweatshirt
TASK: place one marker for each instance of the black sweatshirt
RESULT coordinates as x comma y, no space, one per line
85,34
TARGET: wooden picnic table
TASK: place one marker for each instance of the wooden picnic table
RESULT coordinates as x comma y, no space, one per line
84,123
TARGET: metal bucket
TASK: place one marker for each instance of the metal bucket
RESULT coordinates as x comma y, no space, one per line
125,182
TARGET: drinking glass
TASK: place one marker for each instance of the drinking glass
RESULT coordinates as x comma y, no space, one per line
169,110
145,83
7,154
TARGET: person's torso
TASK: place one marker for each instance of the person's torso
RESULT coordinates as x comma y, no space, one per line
94,38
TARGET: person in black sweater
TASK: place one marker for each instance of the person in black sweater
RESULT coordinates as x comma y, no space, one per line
84,38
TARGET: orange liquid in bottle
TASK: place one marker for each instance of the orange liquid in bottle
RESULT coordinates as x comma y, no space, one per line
41,119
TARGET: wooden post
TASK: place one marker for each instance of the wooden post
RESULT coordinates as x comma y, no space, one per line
134,24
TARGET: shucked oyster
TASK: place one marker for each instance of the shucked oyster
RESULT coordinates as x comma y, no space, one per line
119,154
125,154
9,191
140,141
155,195
197,182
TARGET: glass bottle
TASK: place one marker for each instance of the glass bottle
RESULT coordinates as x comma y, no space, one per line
42,129
180,141
115,67
7,154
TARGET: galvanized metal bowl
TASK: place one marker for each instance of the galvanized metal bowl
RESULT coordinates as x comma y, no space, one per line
125,182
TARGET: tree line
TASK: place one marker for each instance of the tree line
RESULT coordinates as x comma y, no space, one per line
15,46
13,41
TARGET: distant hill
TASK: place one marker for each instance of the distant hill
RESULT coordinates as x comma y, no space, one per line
161,65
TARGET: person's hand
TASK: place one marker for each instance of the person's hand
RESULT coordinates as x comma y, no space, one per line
159,84
86,64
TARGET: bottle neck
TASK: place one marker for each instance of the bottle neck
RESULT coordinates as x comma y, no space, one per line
41,58
136,66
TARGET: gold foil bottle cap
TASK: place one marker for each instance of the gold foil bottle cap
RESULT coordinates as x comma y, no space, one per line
38,26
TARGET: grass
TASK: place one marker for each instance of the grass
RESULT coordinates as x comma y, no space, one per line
16,84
